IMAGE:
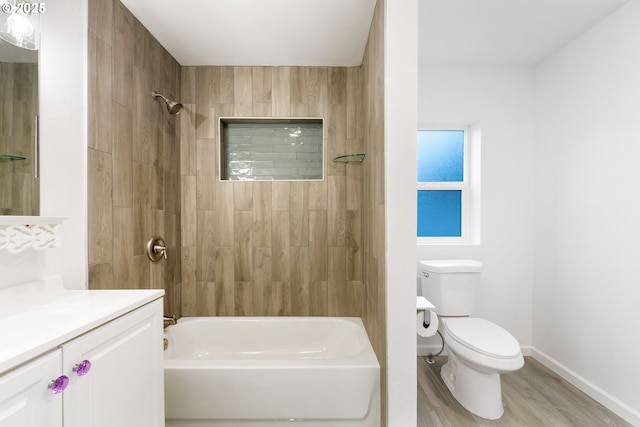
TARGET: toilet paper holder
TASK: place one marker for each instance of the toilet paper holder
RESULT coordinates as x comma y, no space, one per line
426,318
422,304
425,310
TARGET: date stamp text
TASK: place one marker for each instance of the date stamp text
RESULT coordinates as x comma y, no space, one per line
23,8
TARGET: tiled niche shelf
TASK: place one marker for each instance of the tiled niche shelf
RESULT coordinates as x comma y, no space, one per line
19,233
271,149
350,158
11,157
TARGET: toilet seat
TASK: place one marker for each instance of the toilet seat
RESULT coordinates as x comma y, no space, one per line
483,336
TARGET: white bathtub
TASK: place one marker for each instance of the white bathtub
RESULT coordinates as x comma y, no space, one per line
270,371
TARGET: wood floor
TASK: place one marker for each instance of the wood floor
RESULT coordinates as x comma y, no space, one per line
532,396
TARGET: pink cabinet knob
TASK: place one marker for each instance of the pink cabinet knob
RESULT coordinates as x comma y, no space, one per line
58,385
82,368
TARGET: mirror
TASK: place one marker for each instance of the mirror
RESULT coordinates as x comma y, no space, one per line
19,184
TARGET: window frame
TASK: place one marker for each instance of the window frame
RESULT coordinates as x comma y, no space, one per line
469,211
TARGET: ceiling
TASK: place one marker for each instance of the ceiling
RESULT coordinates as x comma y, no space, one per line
259,32
334,32
502,32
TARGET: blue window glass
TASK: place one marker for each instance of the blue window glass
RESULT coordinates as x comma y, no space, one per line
440,156
439,213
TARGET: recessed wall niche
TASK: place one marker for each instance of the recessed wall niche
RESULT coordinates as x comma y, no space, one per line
271,149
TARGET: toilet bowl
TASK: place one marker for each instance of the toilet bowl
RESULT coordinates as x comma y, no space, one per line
479,350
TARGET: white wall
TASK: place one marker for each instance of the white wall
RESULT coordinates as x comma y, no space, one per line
500,101
400,111
587,275
63,121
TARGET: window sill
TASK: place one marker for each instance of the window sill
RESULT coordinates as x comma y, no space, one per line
442,241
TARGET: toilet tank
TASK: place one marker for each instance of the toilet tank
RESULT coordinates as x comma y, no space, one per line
451,285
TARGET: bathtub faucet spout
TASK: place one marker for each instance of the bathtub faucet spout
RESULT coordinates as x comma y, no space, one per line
171,320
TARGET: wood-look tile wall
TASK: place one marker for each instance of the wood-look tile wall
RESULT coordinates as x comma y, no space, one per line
133,152
271,248
373,195
19,188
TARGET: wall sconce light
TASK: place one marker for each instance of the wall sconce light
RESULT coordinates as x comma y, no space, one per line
20,23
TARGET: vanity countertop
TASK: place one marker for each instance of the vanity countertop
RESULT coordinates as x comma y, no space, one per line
34,320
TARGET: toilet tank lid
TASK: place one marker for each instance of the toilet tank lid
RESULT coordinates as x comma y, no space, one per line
451,266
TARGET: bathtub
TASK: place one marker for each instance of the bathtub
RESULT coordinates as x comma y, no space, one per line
270,371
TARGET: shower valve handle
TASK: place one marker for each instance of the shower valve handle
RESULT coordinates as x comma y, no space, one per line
156,249
160,250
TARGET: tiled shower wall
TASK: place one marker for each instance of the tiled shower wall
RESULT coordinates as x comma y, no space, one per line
280,248
19,188
373,195
271,248
133,181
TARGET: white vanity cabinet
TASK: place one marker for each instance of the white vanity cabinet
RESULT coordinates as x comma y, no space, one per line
121,380
125,384
25,398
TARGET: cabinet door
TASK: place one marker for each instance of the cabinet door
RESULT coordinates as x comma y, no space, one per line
125,384
25,397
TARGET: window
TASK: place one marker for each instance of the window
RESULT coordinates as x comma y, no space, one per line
447,212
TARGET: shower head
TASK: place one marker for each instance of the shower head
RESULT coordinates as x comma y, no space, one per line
173,107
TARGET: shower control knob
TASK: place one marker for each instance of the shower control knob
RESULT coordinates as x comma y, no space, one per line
156,249
58,385
81,369
160,250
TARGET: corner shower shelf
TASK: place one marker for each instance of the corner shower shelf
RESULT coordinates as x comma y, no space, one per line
11,157
350,158
18,233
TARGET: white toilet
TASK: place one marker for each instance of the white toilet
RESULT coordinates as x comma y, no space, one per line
479,351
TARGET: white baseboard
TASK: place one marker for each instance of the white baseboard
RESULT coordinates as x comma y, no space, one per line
607,400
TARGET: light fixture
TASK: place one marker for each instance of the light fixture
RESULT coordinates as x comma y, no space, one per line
20,23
